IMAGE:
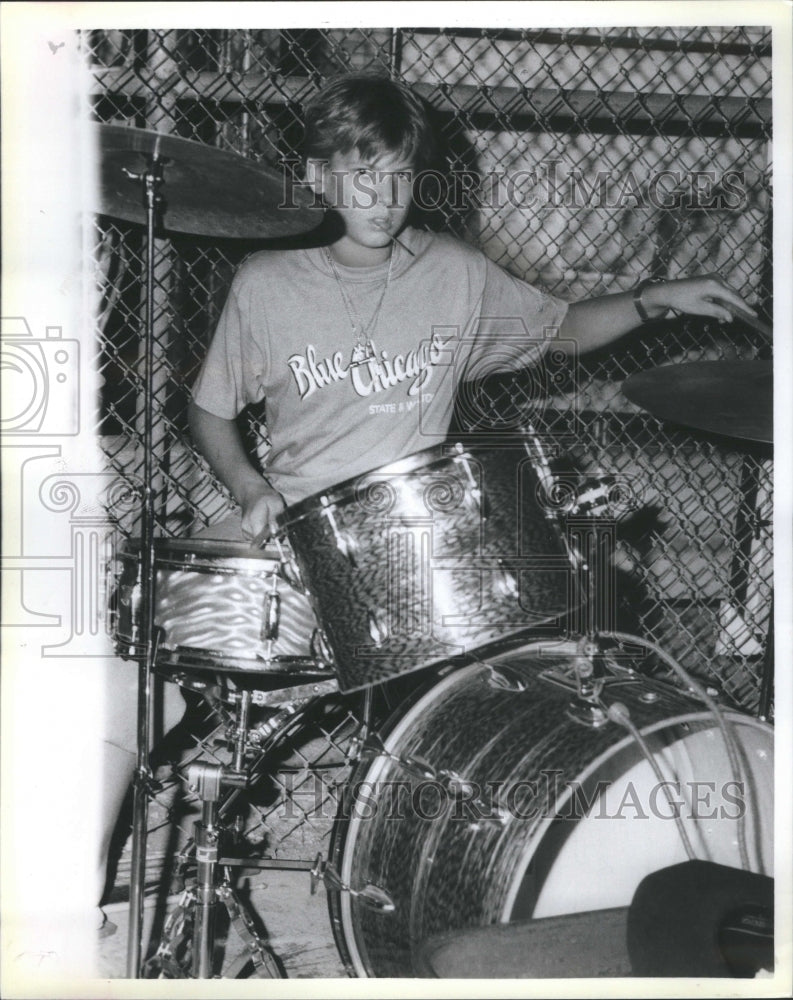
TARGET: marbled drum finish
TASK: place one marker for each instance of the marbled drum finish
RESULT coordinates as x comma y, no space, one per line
429,559
212,600
445,870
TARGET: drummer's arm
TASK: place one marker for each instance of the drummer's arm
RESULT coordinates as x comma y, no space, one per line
597,322
220,443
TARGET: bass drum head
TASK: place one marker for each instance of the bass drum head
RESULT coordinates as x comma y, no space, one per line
494,802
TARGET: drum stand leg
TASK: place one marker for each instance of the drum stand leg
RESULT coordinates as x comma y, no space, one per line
187,946
208,781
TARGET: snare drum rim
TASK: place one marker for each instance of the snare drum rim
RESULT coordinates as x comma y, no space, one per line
196,658
171,551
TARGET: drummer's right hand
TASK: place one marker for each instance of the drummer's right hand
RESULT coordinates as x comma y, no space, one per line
260,507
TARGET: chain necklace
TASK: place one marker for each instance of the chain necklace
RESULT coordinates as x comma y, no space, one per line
364,349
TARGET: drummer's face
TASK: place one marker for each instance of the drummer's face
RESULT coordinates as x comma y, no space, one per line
372,195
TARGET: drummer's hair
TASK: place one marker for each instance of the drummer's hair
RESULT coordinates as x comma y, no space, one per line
371,113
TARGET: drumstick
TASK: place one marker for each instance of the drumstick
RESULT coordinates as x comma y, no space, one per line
750,318
403,246
264,536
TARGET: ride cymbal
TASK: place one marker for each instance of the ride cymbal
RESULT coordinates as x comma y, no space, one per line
733,398
205,191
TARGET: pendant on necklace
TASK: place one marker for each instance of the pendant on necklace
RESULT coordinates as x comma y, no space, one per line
363,351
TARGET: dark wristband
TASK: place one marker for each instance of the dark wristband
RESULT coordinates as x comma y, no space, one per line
644,316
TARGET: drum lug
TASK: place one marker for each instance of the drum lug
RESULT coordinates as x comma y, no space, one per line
377,631
455,786
506,584
344,543
477,502
291,571
374,746
417,767
591,716
498,679
371,895
473,495
319,647
272,617
497,819
375,898
458,788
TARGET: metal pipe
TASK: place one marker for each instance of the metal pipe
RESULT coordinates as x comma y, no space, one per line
767,680
205,910
152,179
241,736
395,52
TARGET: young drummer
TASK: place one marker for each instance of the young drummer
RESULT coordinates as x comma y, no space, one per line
358,346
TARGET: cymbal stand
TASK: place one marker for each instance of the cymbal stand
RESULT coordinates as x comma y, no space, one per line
152,182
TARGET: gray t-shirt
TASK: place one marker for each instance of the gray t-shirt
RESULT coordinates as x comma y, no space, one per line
285,335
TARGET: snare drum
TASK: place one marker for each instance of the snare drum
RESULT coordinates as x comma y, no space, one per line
496,797
218,605
431,558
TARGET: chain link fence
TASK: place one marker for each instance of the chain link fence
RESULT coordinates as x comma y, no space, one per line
581,161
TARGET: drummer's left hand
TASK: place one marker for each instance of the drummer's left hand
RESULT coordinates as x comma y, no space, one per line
706,296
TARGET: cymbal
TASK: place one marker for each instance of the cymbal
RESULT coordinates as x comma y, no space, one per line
206,191
734,398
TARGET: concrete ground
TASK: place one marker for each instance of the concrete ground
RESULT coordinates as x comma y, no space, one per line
297,923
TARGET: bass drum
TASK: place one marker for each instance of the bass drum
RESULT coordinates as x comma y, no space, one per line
500,795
